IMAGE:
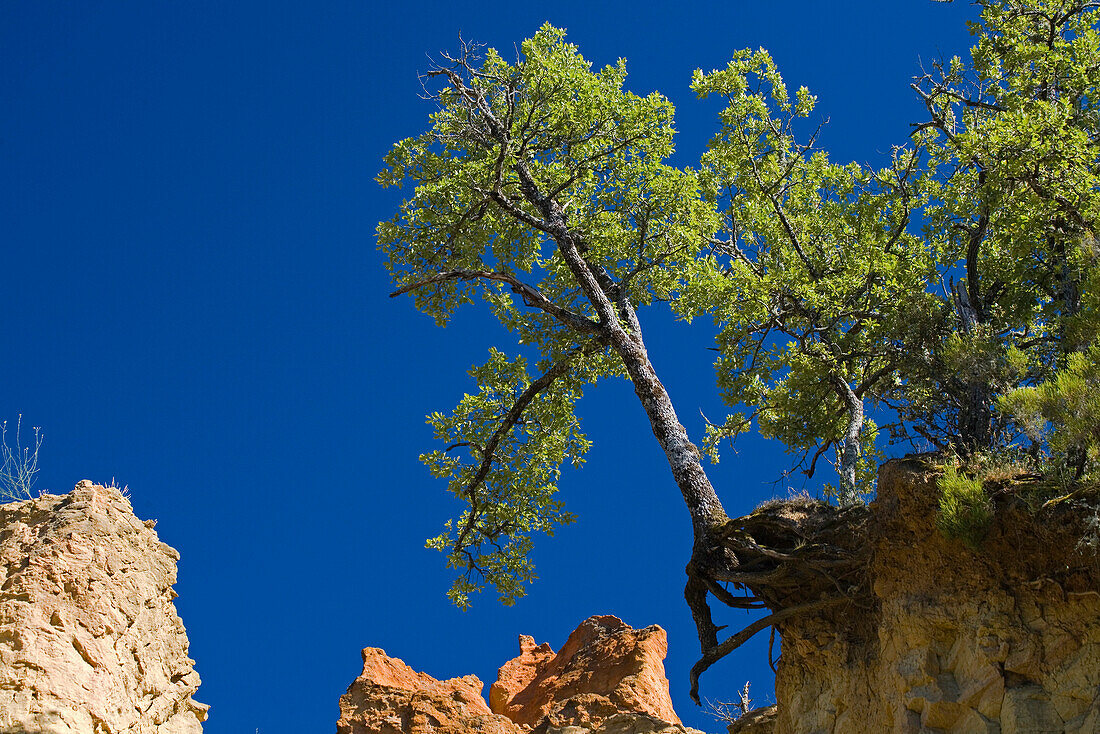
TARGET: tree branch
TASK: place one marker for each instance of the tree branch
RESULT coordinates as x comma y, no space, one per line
531,296
558,369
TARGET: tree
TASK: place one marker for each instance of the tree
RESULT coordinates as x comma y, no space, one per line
1012,140
951,293
543,186
810,276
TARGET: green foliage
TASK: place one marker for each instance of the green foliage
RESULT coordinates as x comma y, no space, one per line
965,509
949,298
516,496
810,277
581,135
1063,412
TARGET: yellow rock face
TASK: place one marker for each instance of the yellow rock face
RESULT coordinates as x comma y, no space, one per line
89,637
1002,639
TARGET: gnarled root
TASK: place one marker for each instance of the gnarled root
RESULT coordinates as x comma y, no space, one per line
795,558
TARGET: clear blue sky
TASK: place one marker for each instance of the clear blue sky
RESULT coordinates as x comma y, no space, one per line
193,304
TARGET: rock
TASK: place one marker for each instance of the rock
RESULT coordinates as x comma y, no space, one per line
756,721
607,679
389,697
90,641
604,668
627,724
1028,709
1004,638
519,672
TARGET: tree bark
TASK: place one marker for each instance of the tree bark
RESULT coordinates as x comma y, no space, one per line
683,456
849,449
625,337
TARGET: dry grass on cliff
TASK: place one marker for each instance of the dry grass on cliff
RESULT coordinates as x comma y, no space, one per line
990,497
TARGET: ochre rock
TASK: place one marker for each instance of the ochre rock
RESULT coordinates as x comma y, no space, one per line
1003,638
389,697
519,672
605,668
90,641
606,679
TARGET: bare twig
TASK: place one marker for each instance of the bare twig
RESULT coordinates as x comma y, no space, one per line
20,467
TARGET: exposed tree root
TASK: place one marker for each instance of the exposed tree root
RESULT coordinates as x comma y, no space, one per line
793,558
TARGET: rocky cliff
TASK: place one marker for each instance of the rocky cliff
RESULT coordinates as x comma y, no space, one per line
90,642
941,637
886,626
606,679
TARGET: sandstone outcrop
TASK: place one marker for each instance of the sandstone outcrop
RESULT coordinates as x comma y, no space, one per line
607,679
518,673
90,641
605,667
945,638
389,697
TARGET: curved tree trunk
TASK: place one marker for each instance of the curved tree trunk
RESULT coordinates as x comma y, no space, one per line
624,334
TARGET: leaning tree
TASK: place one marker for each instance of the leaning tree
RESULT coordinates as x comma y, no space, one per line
951,291
542,187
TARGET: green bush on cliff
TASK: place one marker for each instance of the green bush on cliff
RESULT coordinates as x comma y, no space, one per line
1064,412
965,509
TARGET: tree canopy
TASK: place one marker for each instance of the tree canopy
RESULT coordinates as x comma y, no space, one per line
944,301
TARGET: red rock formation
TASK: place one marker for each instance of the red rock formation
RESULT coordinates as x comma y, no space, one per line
517,673
606,679
605,668
392,698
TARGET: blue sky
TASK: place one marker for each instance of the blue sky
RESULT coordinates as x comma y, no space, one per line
193,305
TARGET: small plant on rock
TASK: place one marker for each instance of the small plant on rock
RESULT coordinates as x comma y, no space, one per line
965,508
20,463
732,711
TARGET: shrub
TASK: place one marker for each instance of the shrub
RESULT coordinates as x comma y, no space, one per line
1063,413
965,509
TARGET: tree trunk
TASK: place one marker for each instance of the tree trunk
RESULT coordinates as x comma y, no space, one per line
683,456
625,336
1068,290
975,423
848,452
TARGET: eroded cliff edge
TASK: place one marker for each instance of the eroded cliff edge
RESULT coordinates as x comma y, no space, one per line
90,641
920,633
